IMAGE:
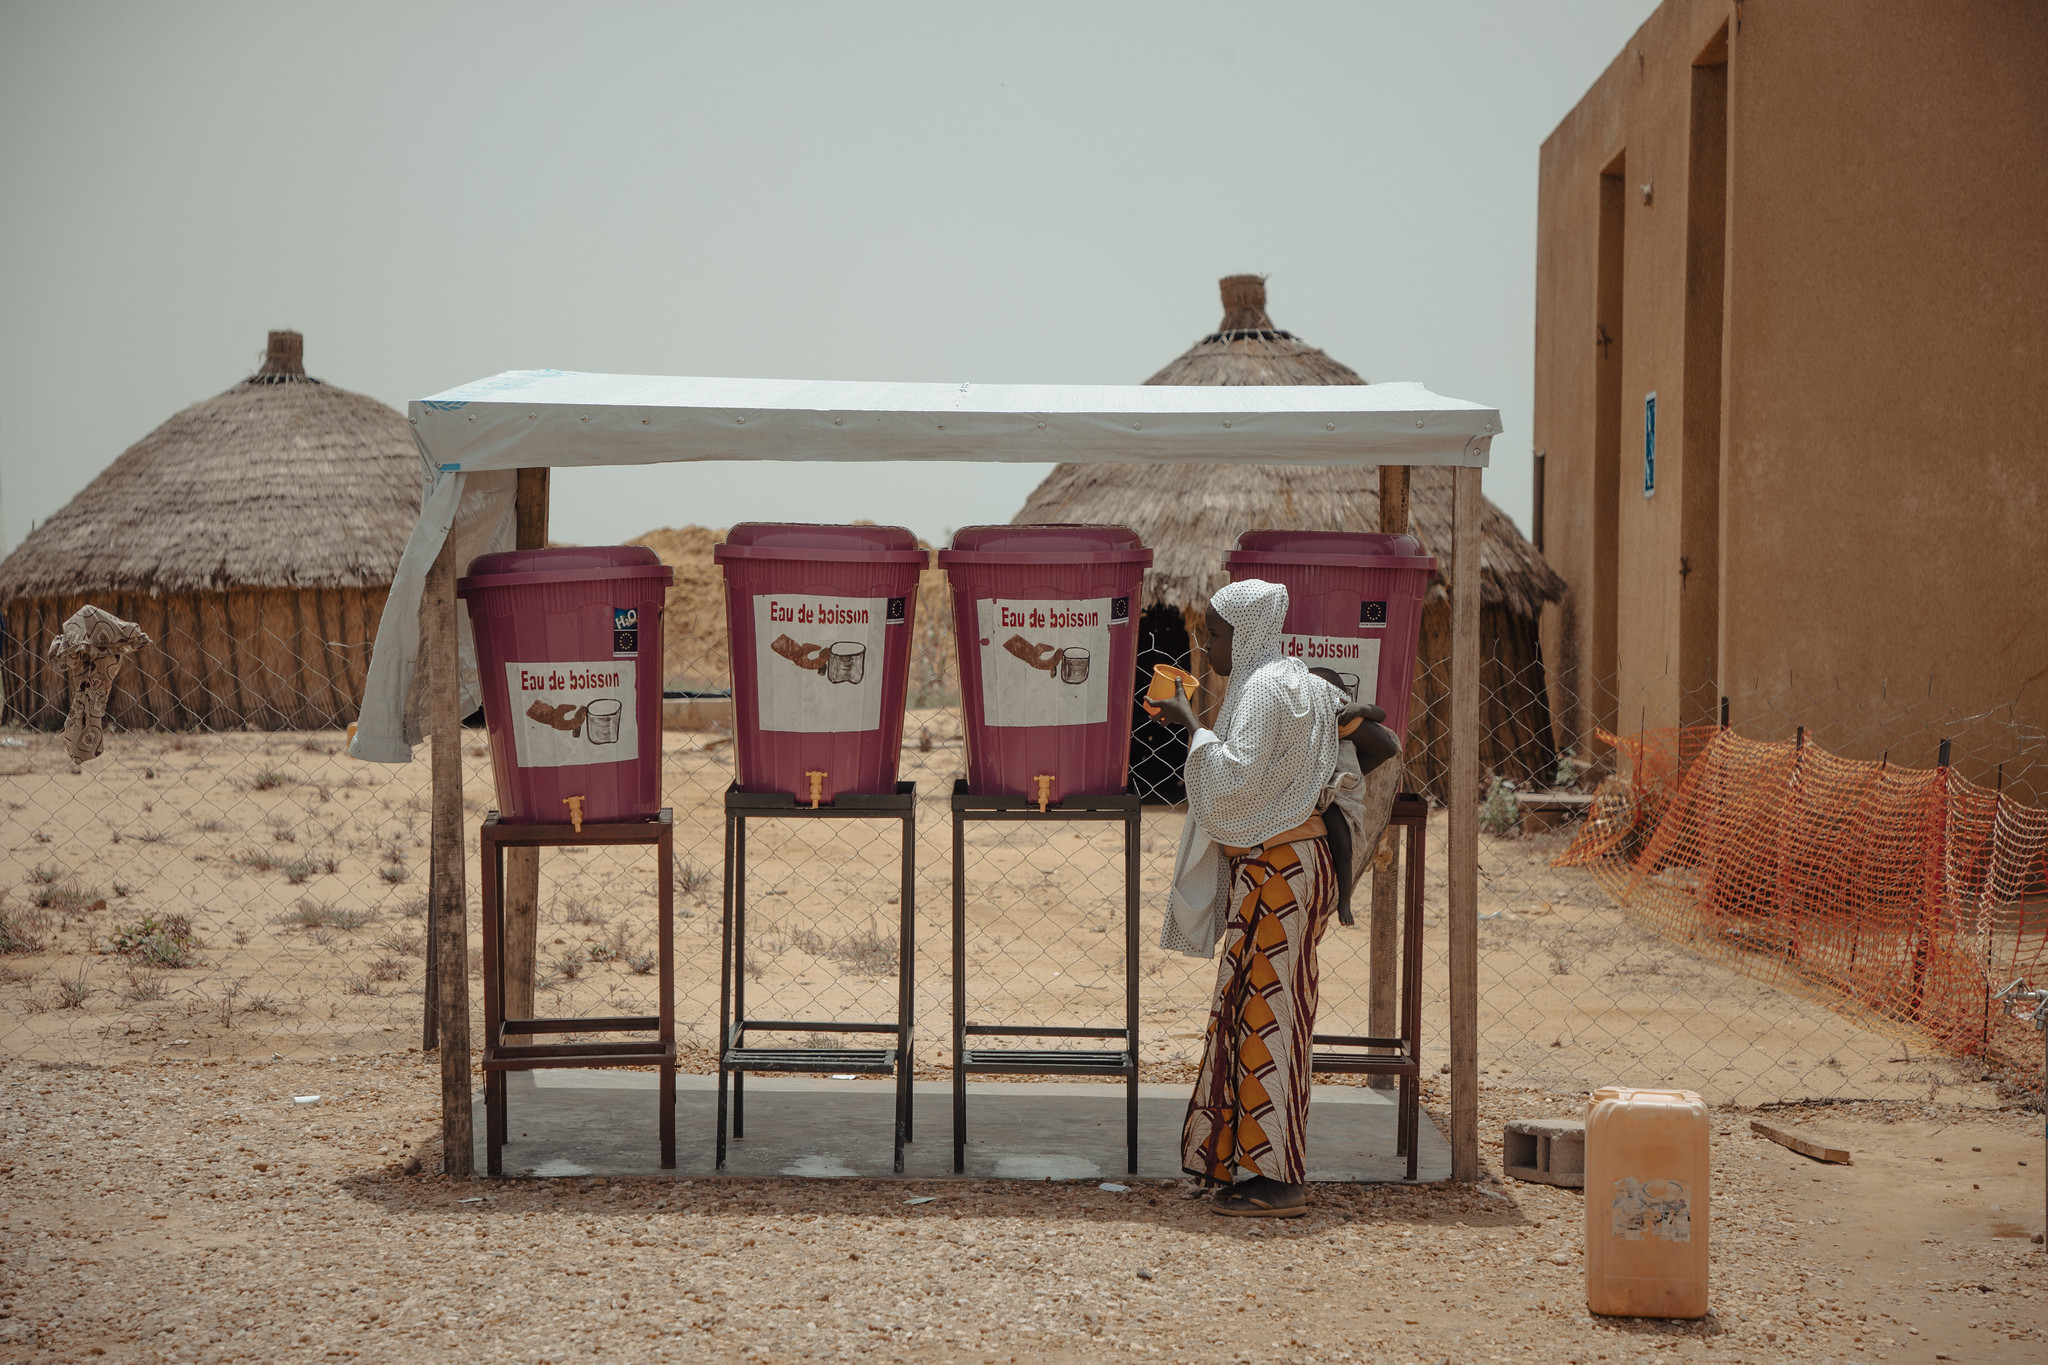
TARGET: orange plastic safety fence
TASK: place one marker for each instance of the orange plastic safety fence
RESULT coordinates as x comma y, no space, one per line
1901,897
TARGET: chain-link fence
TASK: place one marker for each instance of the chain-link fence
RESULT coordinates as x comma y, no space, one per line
197,892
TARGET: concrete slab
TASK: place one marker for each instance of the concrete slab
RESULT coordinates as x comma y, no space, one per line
569,1123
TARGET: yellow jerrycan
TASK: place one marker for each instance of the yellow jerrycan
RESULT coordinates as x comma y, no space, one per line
1646,1203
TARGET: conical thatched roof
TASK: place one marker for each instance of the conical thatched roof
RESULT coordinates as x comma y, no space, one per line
1191,515
281,482
1246,348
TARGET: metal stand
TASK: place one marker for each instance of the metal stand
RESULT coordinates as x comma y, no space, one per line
1400,1056
499,1056
1043,1061
735,1058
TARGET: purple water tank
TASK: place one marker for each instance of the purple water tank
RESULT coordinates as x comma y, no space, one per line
568,651
1046,619
1354,606
820,619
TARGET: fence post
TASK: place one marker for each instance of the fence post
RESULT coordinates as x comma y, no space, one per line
522,865
447,904
1463,790
1383,931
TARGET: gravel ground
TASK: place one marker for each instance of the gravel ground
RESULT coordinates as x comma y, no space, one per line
193,1211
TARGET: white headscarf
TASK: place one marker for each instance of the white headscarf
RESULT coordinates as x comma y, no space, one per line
1261,771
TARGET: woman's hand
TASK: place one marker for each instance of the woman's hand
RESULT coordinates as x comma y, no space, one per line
1176,709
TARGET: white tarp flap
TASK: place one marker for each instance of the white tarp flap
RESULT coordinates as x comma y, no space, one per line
475,436
561,418
476,509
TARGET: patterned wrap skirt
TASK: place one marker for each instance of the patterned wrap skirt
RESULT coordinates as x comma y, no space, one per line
1249,1111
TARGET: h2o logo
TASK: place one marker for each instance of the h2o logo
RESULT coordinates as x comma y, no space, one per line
625,632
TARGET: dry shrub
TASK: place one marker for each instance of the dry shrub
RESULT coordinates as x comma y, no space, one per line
154,942
865,951
583,913
142,987
22,931
404,942
312,914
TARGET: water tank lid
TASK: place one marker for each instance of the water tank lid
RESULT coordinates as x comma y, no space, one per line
1046,543
564,564
808,541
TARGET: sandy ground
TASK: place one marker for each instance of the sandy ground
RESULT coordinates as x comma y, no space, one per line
302,874
159,1211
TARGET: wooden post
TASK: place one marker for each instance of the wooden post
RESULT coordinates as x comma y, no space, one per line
1383,932
522,865
447,904
1462,798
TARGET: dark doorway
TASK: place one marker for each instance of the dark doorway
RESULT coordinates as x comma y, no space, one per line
1159,753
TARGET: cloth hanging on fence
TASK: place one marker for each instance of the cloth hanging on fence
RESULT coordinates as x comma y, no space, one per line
92,647
1249,1110
1266,767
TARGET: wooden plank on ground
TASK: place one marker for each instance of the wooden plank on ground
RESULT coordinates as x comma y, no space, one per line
1805,1147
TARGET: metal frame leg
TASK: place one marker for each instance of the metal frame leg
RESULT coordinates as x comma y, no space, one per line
724,987
494,1123
738,1032
1131,989
906,978
1411,992
665,869
959,993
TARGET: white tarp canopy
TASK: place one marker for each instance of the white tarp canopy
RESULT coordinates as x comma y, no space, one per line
475,437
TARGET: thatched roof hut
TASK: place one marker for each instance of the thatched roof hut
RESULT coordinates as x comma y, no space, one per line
1191,515
253,535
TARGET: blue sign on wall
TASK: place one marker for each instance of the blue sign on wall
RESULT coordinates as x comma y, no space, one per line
1649,444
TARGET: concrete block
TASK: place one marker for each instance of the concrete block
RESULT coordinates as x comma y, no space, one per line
1547,1151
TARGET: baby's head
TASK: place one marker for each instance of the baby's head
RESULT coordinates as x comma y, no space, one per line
1329,675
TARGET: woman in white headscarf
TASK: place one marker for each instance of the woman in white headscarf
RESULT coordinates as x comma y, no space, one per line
1255,870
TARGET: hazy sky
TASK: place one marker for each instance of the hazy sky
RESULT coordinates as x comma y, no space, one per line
1022,193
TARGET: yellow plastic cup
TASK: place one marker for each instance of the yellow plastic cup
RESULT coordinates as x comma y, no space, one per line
1163,678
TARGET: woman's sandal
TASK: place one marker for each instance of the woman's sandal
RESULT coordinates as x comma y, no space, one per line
1236,1205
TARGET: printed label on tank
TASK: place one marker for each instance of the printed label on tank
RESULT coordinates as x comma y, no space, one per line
625,632
1372,615
569,714
1356,662
1655,1208
818,661
1046,663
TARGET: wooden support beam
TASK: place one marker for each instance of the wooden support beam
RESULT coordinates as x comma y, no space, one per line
1383,919
1394,499
522,865
1819,1151
447,905
1462,799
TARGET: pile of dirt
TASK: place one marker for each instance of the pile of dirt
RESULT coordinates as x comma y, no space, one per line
694,653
